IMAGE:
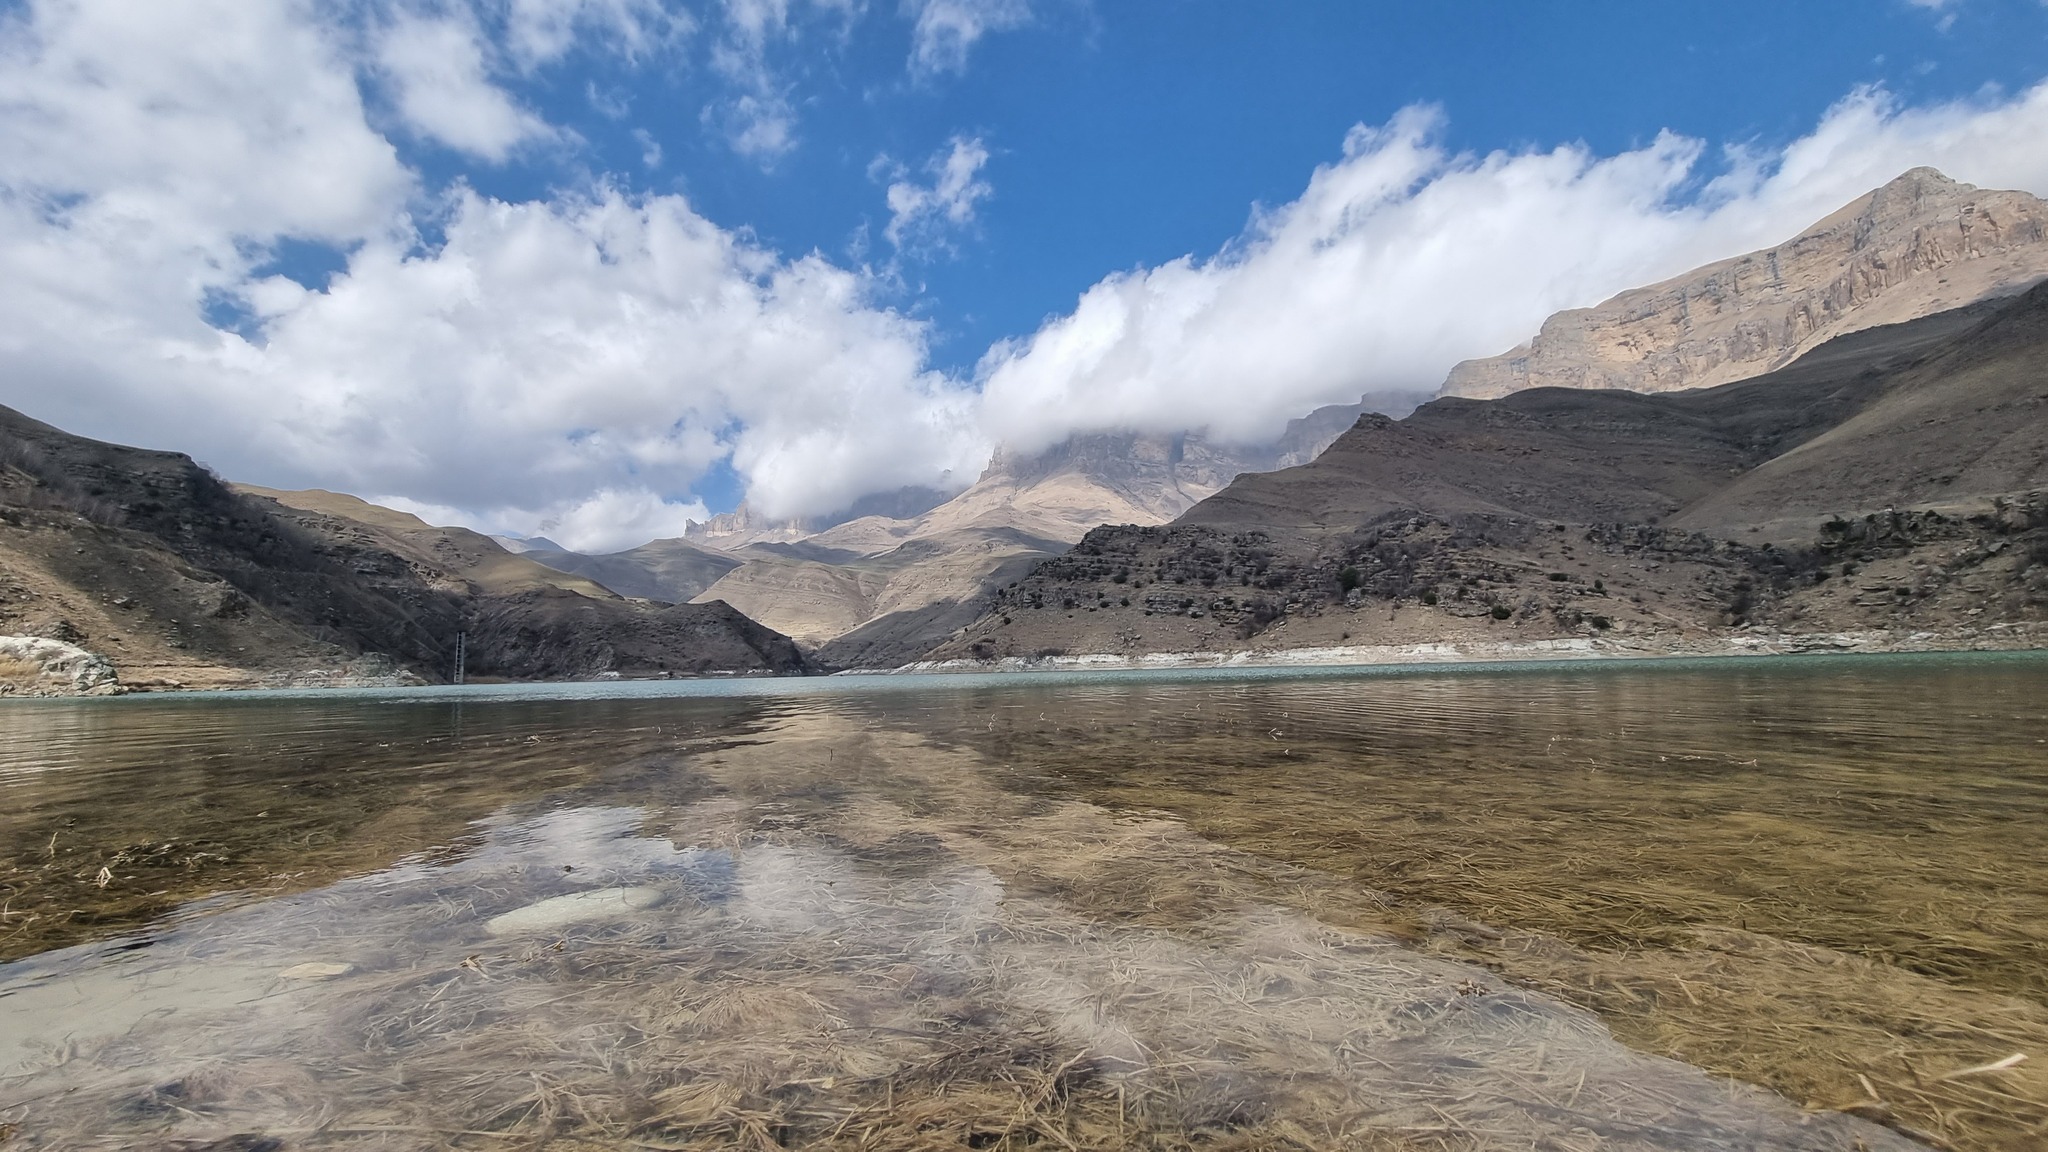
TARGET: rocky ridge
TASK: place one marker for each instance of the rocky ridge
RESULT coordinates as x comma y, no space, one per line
175,578
1919,245
1894,482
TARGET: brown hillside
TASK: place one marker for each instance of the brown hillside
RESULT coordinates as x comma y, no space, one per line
1892,480
1920,245
180,579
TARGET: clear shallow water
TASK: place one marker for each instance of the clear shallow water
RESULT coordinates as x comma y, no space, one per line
1452,908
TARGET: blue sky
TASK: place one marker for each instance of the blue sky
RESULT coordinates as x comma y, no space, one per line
597,267
1128,134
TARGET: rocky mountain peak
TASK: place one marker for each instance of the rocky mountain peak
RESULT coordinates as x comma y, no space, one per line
1921,244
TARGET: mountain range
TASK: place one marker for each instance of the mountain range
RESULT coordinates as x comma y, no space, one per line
1919,245
1894,480
179,579
873,589
876,589
1843,432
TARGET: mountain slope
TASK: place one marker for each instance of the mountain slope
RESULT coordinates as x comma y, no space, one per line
818,601
1921,244
1586,456
477,561
1966,424
1896,478
877,590
672,571
179,578
1105,478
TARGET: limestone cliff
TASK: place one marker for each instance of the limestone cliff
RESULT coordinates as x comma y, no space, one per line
1921,244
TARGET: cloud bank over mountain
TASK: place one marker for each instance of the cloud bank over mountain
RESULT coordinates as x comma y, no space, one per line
581,359
1401,258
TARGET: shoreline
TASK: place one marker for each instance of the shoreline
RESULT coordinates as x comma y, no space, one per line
1991,638
2018,637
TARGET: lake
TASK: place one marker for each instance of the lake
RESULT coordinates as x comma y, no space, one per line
1758,903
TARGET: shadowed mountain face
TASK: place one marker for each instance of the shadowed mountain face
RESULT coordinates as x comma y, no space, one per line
1892,478
1968,423
178,577
1921,244
1596,457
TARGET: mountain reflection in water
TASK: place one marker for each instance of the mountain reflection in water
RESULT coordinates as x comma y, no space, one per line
1478,909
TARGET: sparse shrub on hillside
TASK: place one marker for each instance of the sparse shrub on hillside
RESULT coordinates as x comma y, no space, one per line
1258,613
1741,600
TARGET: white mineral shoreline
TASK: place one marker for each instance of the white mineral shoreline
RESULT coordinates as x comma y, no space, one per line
1991,638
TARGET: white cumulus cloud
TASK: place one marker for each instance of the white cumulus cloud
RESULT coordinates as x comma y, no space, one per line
579,360
946,30
438,71
925,215
1402,258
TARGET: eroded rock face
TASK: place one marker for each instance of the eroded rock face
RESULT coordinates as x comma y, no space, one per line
1921,244
36,666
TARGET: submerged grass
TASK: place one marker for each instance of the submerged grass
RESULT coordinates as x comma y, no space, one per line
102,835
1221,918
1846,903
867,943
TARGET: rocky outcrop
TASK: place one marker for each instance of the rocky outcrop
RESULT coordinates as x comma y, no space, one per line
36,666
1920,245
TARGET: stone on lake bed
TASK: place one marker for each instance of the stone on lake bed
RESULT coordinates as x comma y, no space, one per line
575,908
316,970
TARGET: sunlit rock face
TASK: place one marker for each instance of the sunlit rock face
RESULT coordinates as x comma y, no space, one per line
1919,245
